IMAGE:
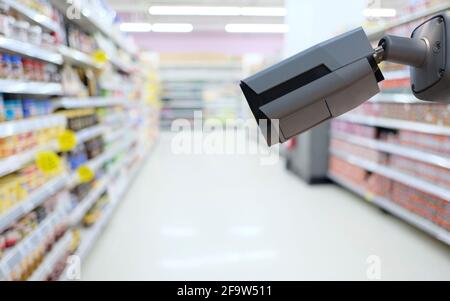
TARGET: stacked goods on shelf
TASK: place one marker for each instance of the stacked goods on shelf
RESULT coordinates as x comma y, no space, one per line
395,151
24,244
66,162
206,83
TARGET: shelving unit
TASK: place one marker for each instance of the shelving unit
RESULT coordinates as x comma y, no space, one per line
416,139
34,88
396,124
191,85
393,174
32,201
30,50
77,58
125,109
427,157
33,16
396,210
91,102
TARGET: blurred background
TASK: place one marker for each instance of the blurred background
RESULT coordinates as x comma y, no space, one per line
115,162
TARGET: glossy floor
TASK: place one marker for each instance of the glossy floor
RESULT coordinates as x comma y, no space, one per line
206,217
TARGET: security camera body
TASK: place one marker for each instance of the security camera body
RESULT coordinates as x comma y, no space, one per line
313,86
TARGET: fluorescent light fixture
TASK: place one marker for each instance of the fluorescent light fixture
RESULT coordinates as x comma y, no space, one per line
257,28
135,27
380,12
172,27
218,11
195,10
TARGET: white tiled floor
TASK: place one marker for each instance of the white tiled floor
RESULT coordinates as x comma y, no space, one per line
229,218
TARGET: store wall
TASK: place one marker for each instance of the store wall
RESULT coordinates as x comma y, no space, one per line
312,22
217,42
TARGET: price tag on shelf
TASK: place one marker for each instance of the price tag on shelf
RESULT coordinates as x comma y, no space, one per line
48,162
85,174
67,141
100,57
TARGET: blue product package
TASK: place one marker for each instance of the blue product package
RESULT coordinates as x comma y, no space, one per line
28,108
13,110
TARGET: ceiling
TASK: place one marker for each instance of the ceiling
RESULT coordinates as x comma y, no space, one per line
138,12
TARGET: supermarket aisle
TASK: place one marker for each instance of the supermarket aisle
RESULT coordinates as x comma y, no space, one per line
228,218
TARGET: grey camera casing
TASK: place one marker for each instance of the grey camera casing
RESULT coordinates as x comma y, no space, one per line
431,81
313,86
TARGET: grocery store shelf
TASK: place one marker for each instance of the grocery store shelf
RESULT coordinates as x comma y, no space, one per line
396,210
90,133
89,237
77,58
396,149
80,210
395,175
90,102
18,127
32,201
25,87
16,162
397,124
417,16
96,163
402,98
57,253
29,244
121,66
30,50
86,19
33,15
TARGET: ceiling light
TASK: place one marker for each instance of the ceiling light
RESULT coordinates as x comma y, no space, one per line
172,27
264,11
195,10
218,11
135,27
257,28
380,12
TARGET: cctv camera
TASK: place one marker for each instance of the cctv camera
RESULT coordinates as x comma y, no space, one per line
335,76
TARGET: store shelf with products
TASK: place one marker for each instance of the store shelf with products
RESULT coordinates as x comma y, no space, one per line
17,127
15,162
32,88
101,102
78,58
396,175
18,254
87,16
90,102
33,15
30,50
392,148
36,198
116,193
191,84
398,211
56,256
396,124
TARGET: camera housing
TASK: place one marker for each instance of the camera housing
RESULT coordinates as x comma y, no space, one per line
313,86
